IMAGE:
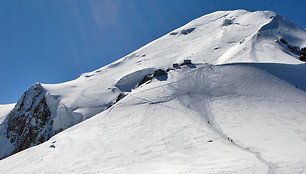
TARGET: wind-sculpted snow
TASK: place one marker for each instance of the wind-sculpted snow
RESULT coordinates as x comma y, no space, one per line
223,94
130,81
209,119
264,46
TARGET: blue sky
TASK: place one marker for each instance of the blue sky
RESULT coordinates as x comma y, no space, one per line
52,41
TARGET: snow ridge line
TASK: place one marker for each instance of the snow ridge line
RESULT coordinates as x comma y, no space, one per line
210,121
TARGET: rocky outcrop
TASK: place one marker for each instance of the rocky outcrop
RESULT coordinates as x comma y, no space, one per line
183,32
303,54
30,122
294,49
158,74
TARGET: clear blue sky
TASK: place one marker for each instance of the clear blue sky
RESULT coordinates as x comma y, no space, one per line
52,41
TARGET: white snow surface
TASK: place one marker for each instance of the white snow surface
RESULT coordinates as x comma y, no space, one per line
251,37
5,145
239,109
4,110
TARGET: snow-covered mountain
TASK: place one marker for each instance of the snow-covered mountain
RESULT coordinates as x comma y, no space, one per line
237,107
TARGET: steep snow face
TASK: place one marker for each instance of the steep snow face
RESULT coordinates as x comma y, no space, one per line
267,44
28,124
208,119
34,119
218,38
142,119
5,146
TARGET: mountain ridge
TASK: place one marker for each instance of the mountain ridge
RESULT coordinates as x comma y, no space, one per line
217,45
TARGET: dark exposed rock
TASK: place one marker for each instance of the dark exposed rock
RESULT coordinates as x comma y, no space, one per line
302,58
174,33
303,51
303,55
145,79
186,62
29,122
184,32
187,31
294,49
121,96
282,40
176,65
227,22
158,74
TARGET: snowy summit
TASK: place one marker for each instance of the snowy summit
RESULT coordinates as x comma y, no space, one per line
224,93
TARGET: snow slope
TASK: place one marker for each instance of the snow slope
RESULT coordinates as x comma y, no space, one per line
165,127
5,145
238,109
250,37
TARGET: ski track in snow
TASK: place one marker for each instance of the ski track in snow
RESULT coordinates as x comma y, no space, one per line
207,114
209,119
212,124
198,96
